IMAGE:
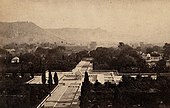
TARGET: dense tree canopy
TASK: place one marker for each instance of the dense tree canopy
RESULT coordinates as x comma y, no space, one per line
139,92
117,58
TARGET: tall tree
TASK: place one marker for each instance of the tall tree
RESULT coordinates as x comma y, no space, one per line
31,69
55,78
50,80
149,50
43,78
86,78
85,91
166,50
22,70
42,69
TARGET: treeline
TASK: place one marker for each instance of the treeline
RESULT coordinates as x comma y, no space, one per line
124,58
14,92
142,92
53,59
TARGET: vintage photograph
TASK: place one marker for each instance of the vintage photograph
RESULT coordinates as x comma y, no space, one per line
84,53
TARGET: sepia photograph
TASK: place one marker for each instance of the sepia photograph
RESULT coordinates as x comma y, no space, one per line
84,53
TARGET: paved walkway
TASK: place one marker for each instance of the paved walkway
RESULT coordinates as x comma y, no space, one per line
66,94
37,79
55,96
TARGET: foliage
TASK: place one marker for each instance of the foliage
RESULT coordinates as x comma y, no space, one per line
125,57
14,93
43,78
86,78
142,92
166,50
55,78
85,91
50,80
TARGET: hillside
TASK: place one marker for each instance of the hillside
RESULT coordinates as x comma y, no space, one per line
20,32
82,35
28,32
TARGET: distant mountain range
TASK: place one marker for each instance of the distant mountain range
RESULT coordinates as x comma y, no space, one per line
28,32
25,32
82,35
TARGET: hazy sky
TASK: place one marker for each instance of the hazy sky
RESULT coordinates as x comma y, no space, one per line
140,20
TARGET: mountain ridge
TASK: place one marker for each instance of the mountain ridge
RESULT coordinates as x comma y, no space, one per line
25,32
82,34
29,32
